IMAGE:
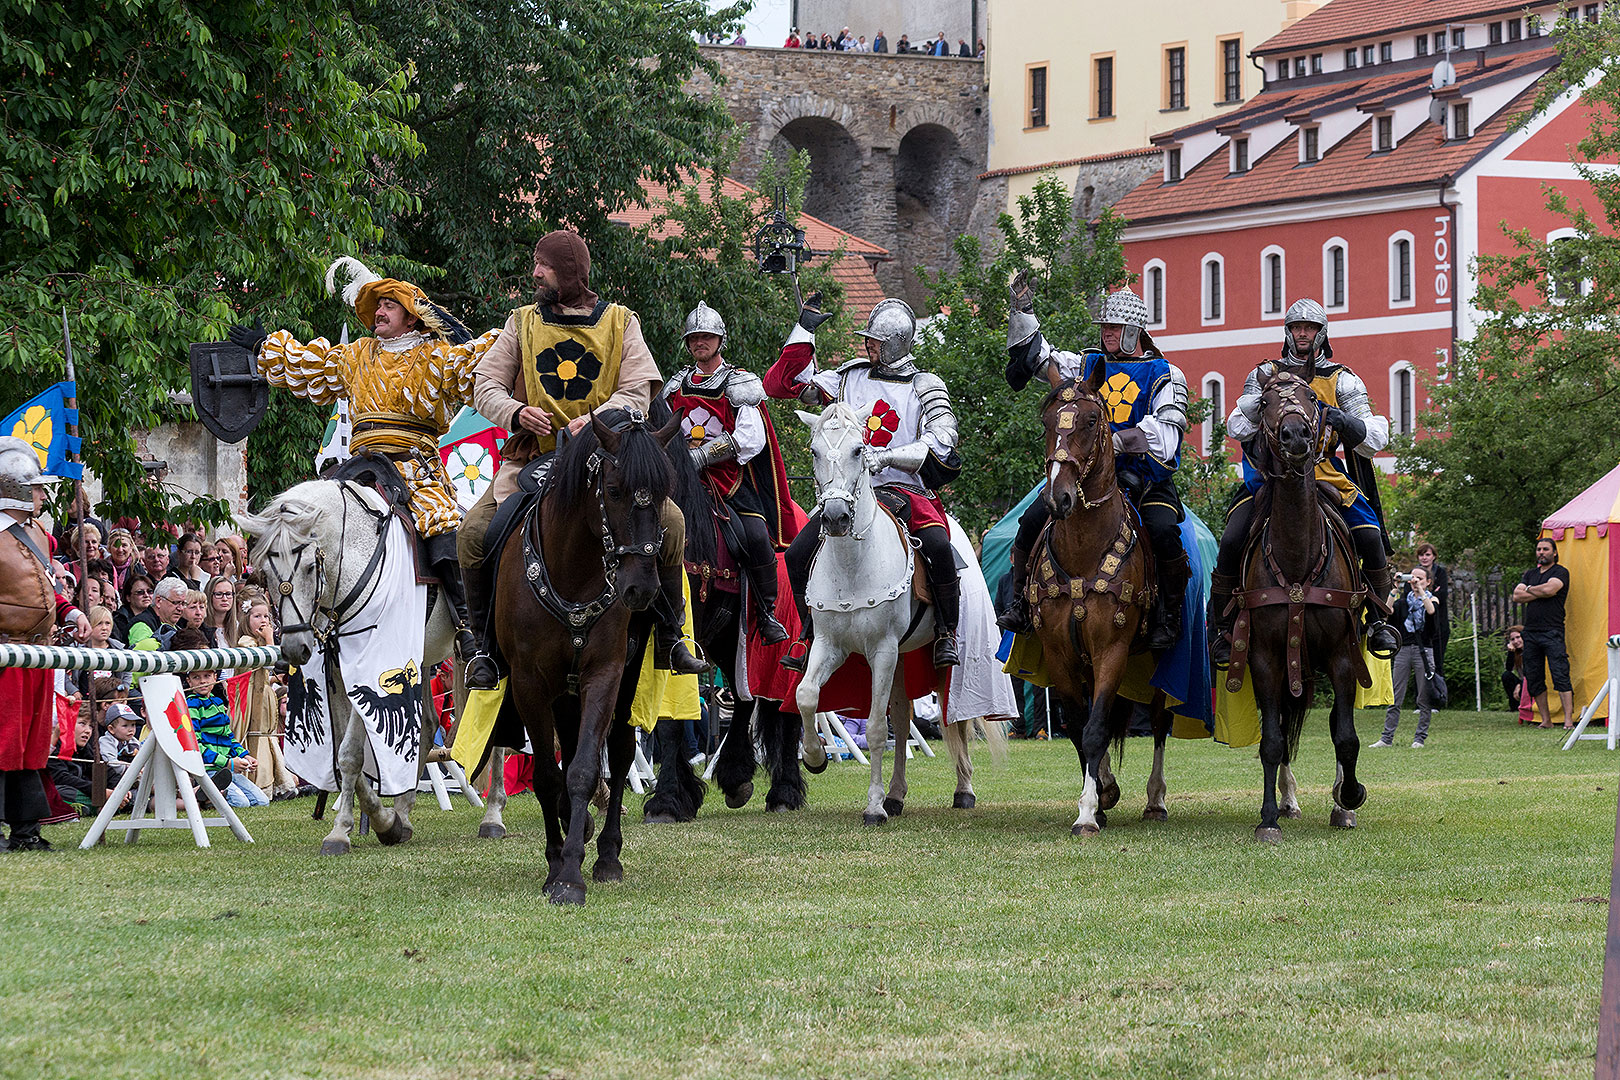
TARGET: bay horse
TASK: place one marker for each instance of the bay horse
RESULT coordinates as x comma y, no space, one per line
575,579
1299,604
719,625
860,589
1090,589
321,546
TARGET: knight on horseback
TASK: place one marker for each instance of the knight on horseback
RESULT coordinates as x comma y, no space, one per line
404,385
911,440
558,362
1147,399
728,432
1351,423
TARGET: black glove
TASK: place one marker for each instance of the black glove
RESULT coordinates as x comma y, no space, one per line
249,337
811,315
1352,432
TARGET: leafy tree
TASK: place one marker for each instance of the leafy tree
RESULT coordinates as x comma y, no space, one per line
1525,419
156,157
1205,481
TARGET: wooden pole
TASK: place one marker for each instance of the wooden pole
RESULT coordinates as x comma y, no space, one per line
98,767
1608,1037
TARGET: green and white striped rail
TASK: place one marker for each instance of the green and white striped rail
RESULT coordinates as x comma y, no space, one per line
141,662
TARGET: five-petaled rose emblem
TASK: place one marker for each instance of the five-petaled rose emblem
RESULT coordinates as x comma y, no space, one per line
700,425
567,370
882,424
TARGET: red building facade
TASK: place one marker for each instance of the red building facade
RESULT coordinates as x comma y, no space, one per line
1366,176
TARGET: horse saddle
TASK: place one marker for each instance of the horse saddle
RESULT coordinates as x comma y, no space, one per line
533,479
378,473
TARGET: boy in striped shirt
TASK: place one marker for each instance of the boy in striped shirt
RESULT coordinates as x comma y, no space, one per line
221,753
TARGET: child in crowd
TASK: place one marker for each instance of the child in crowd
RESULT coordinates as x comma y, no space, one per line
224,758
258,723
119,745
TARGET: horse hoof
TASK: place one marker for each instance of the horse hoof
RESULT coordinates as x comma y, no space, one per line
869,818
817,769
1155,813
396,835
565,892
660,819
334,847
1268,834
739,798
963,800
1342,818
1084,830
893,807
778,808
607,874
1357,796
492,830
1108,797
1293,812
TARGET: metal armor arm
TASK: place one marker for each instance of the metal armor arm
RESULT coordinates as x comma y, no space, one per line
746,393
718,449
1244,422
1357,409
939,430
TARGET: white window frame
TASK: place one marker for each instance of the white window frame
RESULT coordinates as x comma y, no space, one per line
1394,270
1265,283
1209,421
1586,282
1396,370
1215,259
1376,121
1327,274
1147,299
1303,160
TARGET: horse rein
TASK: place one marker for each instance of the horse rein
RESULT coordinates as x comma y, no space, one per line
1291,405
338,613
1067,415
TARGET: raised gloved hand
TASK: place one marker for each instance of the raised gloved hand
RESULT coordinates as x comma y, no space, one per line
1021,293
811,315
248,337
1352,432
874,459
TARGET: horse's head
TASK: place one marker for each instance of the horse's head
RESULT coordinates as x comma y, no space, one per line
294,566
1291,421
836,441
632,479
1078,441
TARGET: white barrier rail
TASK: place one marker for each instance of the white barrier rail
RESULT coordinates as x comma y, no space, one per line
141,662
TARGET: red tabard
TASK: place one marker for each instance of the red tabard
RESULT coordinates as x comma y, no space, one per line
27,701
702,418
926,510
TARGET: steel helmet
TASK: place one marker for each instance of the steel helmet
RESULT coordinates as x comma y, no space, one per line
19,474
893,325
1127,311
705,320
1306,311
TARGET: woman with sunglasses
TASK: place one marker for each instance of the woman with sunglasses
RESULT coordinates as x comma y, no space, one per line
137,606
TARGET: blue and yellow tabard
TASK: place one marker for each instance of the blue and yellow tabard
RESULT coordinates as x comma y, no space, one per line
1128,392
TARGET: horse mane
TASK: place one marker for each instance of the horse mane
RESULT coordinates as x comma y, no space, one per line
842,412
288,518
641,462
687,490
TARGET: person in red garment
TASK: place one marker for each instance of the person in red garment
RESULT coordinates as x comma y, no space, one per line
30,608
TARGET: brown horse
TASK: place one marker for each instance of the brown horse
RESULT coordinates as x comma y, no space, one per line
573,579
1299,602
1090,588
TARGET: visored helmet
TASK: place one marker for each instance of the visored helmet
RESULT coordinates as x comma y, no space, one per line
19,474
705,320
1306,311
1127,311
893,325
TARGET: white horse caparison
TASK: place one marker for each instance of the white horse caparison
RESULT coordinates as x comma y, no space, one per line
861,598
301,541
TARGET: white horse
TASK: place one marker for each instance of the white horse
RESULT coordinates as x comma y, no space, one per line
317,544
862,601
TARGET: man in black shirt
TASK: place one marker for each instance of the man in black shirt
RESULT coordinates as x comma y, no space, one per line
1543,591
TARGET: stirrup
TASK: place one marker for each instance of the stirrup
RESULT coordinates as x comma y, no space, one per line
481,672
1378,644
797,656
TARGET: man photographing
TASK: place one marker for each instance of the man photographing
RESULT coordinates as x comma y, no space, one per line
1543,590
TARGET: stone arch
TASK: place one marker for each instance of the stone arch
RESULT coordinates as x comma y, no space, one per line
934,189
833,192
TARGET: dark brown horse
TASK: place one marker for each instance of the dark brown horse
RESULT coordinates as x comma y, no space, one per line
1299,602
1090,588
573,580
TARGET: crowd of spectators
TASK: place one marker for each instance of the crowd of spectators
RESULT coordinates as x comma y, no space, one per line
844,41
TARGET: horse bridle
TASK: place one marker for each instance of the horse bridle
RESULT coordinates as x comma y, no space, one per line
337,613
1292,406
848,494
1067,415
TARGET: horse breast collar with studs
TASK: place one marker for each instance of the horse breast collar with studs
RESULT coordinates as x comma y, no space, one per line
1050,581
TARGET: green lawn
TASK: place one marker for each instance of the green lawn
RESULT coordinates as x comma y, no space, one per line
1446,936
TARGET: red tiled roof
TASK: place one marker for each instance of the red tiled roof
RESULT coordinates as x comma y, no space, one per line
1346,168
1094,159
1344,20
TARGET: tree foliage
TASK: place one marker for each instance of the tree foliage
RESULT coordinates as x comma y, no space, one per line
158,156
1525,418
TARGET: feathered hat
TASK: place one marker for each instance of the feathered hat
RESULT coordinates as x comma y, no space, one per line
365,288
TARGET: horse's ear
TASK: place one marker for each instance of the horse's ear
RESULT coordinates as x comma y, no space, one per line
1098,376
810,419
606,436
667,432
1267,376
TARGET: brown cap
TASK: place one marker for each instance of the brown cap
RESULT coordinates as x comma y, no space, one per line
567,254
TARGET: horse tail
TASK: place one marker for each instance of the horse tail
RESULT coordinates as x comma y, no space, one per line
995,735
1293,716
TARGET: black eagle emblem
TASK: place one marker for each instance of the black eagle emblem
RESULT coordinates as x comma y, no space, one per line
303,709
395,707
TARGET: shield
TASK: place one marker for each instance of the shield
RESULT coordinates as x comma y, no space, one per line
227,389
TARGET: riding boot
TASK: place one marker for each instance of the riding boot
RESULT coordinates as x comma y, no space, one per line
1382,640
669,628
482,672
947,611
1016,617
1168,604
762,585
468,645
1219,619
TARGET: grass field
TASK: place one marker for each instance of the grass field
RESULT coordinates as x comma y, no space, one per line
1453,934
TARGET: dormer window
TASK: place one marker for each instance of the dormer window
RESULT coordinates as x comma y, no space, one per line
1172,165
1459,121
1299,67
1316,63
1309,144
1240,155
1457,38
1515,29
1386,52
1421,44
1366,56
1383,134
1496,33
1349,59
1282,69
1439,41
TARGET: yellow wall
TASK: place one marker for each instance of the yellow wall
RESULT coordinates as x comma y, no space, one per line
1066,36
